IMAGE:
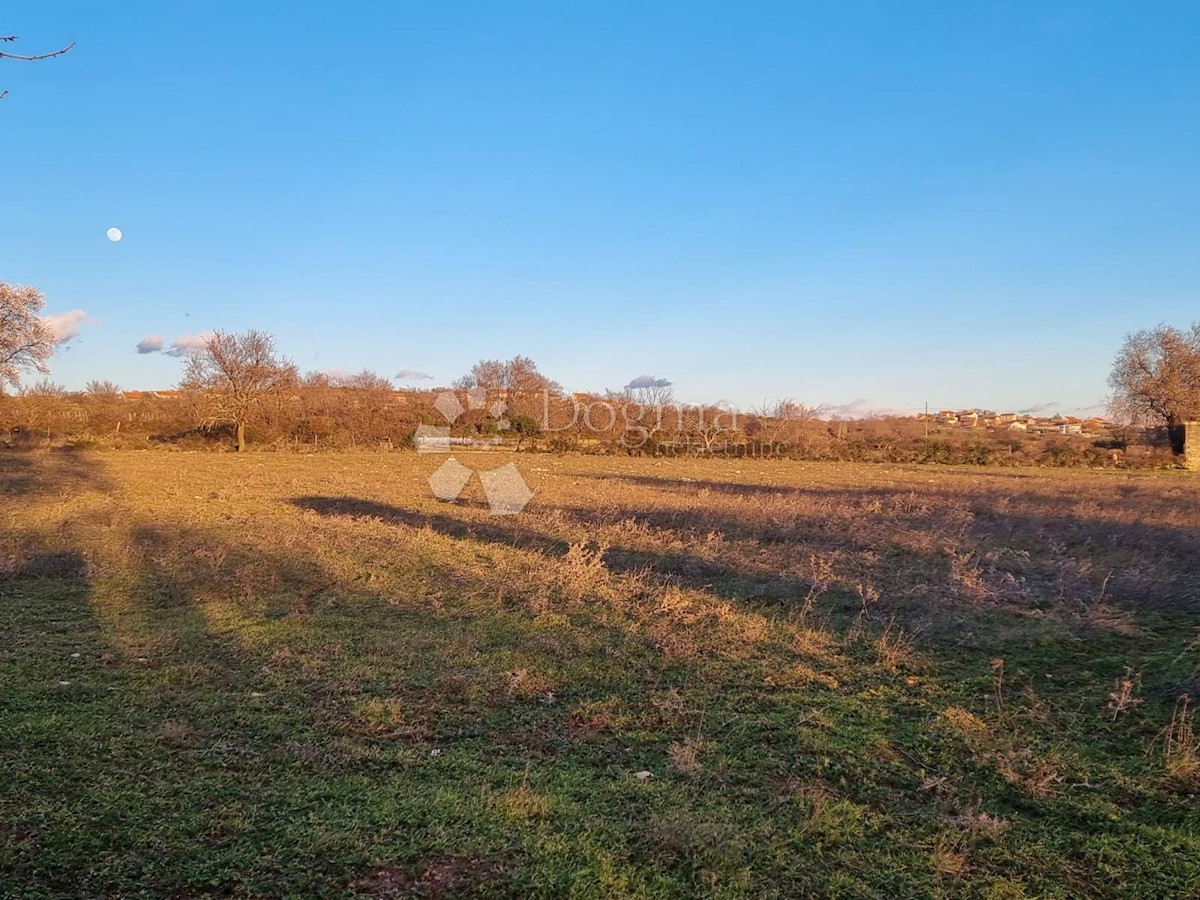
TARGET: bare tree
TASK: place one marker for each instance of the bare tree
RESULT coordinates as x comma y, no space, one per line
42,403
702,424
1156,379
366,400
650,392
781,420
518,381
107,391
232,377
645,403
26,341
12,38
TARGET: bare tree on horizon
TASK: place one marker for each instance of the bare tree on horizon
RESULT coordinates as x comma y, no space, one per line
233,376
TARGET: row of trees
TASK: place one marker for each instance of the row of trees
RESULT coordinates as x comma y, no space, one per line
241,383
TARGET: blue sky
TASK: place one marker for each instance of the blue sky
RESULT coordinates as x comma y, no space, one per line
890,203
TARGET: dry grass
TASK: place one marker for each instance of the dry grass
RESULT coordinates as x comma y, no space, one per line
1181,752
310,650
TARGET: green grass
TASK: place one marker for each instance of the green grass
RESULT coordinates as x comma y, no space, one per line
303,676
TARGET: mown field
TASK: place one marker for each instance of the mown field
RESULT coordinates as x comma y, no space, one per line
277,675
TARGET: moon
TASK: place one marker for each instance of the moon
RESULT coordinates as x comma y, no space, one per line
114,234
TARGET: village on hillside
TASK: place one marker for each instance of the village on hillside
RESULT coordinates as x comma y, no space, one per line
1058,424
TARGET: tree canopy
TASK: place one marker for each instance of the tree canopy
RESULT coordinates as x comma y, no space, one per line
26,341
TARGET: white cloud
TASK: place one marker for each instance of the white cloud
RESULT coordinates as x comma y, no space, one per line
413,375
184,345
66,325
647,381
187,344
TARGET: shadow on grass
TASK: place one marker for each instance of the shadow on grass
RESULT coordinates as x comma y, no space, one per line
1121,551
28,473
690,570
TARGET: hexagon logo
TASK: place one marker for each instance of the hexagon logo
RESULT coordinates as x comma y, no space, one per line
506,491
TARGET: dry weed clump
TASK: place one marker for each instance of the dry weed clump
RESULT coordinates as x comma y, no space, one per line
1181,751
895,649
386,717
522,803
949,857
685,755
1032,775
965,726
801,676
1123,697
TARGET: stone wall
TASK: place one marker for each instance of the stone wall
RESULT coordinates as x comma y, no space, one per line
1191,447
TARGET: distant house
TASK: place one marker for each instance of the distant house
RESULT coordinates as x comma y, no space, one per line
1015,425
152,395
1070,428
1006,418
969,419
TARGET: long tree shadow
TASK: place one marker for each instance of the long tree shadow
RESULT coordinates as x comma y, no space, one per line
689,570
32,473
1109,550
976,548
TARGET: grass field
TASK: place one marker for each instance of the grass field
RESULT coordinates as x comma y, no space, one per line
303,675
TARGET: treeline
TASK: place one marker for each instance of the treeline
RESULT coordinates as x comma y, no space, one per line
365,412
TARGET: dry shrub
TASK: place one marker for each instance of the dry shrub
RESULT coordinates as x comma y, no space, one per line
581,569
521,804
949,857
813,642
967,575
822,575
523,683
1123,697
965,725
385,717
599,715
1033,776
831,820
978,824
685,755
1181,753
1105,617
802,676
894,648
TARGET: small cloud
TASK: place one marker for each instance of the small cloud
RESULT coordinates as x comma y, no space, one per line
187,344
184,345
413,375
66,325
861,409
1041,408
151,343
647,381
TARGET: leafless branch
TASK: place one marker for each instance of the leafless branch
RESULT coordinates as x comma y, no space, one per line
35,57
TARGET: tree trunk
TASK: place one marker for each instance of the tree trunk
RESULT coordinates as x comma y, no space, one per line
1177,433
241,437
